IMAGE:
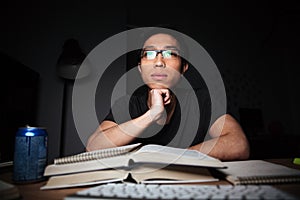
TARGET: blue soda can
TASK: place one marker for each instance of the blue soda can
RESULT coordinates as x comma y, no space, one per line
30,155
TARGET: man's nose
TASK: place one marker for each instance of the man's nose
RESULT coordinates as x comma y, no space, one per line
159,61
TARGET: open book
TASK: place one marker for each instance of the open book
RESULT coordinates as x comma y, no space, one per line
151,153
144,164
139,174
258,172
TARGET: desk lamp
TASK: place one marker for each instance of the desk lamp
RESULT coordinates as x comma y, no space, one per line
67,67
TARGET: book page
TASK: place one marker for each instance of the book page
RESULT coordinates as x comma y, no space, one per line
239,172
104,163
84,179
170,155
171,174
256,168
176,151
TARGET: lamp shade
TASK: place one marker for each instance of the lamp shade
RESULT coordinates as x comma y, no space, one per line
70,61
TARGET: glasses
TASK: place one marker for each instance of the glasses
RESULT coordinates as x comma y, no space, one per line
168,54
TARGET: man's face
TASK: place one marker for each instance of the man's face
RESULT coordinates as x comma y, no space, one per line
160,65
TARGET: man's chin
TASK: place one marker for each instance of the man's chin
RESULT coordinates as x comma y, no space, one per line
158,86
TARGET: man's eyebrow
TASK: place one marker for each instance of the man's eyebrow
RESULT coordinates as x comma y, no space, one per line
146,47
165,47
172,47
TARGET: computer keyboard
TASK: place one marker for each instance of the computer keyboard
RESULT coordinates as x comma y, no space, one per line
156,191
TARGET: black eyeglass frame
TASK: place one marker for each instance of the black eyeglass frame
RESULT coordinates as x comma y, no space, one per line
160,52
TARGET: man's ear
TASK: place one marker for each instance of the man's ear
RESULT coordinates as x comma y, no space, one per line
139,67
184,67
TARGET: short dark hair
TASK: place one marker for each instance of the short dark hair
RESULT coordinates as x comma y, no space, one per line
170,30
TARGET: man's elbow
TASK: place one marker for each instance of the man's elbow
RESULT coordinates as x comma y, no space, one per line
89,147
244,151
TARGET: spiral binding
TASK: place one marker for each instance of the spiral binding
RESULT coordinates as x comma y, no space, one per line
94,155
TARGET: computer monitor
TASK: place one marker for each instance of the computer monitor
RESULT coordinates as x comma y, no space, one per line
18,103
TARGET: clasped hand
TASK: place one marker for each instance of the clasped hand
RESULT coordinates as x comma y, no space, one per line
158,99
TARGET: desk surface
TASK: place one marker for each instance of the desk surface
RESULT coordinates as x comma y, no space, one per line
32,191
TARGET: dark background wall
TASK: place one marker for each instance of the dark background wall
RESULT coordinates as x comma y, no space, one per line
254,45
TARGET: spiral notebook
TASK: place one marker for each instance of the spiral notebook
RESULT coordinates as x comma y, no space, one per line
258,172
98,154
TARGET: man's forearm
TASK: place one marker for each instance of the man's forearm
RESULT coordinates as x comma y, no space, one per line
119,135
225,147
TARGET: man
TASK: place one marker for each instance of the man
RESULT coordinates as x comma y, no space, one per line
163,114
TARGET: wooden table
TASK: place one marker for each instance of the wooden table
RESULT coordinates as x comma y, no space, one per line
31,191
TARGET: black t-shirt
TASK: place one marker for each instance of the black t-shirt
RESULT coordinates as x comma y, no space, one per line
187,126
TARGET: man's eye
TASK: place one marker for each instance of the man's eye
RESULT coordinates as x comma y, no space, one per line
167,54
150,54
170,54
